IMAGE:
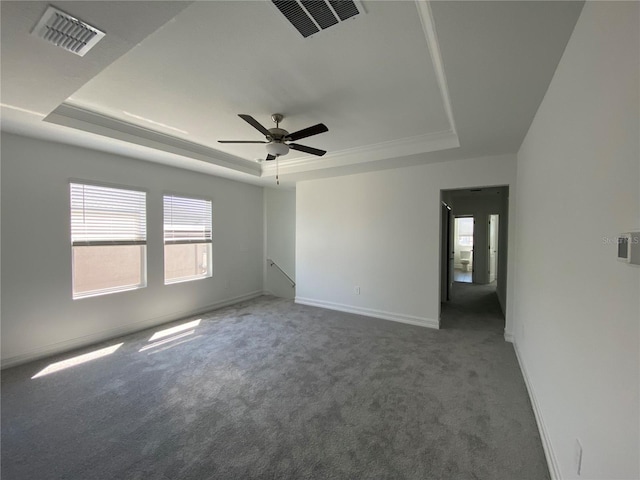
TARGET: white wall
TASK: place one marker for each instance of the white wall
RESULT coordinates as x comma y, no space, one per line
381,231
576,307
280,240
38,313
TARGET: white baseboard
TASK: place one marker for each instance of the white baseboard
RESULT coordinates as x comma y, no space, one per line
549,453
370,312
104,335
509,337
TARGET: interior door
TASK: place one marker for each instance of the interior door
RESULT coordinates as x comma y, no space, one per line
451,253
446,254
494,224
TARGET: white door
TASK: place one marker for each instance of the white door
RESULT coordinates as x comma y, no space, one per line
494,221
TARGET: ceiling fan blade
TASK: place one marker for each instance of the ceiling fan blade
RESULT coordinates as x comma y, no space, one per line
241,141
307,132
304,148
254,123
270,157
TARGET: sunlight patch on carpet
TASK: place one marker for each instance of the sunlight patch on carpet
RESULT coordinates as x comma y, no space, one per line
166,340
78,360
178,328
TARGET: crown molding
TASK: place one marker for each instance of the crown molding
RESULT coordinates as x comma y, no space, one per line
429,30
430,142
81,119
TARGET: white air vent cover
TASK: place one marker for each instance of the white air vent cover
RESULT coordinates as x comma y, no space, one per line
67,32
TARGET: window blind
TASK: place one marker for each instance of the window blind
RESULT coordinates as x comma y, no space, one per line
186,220
107,216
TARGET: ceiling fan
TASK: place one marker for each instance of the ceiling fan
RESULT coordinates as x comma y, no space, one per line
278,140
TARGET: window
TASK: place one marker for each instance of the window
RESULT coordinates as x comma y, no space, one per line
464,231
187,239
465,240
109,238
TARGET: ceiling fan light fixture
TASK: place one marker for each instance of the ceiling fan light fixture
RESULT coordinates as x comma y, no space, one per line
278,141
277,149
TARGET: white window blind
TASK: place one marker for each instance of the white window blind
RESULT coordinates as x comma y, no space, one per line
186,220
107,216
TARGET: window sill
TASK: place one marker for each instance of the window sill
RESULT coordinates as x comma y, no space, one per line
186,279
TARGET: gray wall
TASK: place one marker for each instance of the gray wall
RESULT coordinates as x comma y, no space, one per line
576,307
38,314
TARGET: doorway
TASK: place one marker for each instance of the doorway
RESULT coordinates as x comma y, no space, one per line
463,228
487,242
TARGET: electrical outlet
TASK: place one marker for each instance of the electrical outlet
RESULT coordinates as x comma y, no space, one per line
577,461
356,290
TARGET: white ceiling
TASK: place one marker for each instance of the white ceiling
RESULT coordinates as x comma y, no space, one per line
427,82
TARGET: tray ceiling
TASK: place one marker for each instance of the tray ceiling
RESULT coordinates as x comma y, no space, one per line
387,83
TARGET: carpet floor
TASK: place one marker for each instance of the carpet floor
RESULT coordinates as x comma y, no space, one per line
268,389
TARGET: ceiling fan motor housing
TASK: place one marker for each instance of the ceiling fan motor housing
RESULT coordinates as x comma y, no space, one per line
277,134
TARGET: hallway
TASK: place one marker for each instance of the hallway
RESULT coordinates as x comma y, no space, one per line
463,277
473,307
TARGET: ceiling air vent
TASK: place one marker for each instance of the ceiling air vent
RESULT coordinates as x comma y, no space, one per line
311,16
344,9
65,31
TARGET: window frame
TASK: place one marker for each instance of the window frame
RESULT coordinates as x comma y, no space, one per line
144,244
209,274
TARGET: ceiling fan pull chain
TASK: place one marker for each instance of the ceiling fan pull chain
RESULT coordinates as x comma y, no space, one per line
277,170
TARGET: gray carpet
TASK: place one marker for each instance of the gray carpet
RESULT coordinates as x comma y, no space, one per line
268,389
